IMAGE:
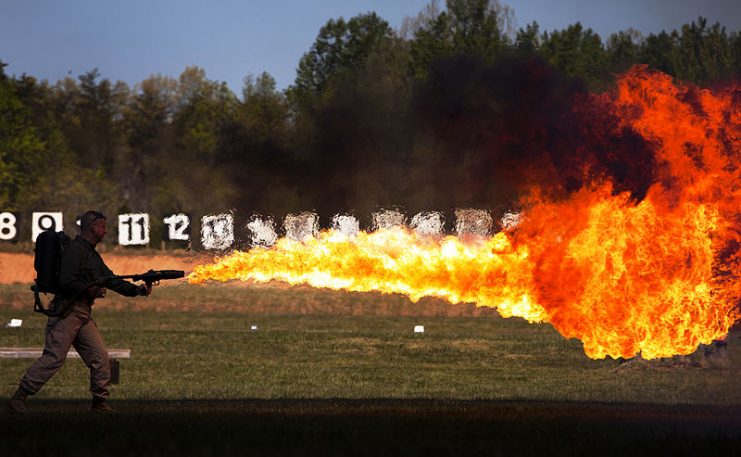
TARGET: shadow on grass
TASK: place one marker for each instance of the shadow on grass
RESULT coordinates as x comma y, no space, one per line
370,427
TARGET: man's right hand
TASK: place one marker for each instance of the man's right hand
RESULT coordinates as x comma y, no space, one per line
145,290
96,292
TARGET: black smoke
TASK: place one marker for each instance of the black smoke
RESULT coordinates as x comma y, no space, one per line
520,123
473,134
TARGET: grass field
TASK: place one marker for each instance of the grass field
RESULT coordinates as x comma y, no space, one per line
333,371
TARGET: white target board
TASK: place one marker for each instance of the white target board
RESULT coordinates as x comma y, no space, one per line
429,223
217,231
40,222
470,221
510,220
388,218
262,231
8,226
178,227
346,224
133,229
301,227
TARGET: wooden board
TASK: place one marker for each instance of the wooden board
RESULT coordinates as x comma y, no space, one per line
34,353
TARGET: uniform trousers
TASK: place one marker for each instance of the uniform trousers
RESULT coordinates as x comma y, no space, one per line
77,328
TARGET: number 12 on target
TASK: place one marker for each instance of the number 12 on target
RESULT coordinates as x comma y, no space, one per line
178,227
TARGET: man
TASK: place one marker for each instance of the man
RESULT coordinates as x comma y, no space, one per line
80,266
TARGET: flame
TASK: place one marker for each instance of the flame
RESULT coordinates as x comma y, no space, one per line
656,277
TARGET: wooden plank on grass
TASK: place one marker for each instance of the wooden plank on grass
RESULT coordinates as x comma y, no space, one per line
33,353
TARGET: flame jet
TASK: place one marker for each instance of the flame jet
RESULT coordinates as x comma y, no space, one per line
657,276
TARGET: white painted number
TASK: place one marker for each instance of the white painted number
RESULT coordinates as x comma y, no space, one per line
177,227
133,229
8,231
217,231
41,222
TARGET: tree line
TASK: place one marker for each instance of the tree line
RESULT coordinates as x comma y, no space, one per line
456,108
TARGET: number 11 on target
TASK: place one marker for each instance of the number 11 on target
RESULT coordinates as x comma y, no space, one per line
133,229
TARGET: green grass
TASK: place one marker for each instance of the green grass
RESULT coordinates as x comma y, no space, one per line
214,355
331,373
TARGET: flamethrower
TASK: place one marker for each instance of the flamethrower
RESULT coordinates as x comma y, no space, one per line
59,307
150,278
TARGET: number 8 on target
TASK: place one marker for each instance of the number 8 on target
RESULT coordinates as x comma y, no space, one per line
8,229
133,229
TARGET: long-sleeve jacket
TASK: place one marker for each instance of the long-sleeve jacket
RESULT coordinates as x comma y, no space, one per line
81,265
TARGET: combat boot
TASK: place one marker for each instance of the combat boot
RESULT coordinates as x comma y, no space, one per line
101,406
17,403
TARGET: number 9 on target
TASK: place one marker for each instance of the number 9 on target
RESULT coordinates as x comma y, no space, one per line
41,222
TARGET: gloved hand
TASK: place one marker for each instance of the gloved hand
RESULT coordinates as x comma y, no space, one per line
145,290
96,292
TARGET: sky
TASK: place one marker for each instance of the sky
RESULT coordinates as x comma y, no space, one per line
230,39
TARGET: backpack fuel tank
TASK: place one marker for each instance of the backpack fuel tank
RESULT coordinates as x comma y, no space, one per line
48,252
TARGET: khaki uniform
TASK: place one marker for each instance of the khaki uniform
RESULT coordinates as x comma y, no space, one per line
80,266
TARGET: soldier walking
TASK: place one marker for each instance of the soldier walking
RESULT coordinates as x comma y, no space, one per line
80,266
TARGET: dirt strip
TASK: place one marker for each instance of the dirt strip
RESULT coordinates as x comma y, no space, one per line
18,267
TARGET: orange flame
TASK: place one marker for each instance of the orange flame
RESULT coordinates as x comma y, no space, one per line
656,277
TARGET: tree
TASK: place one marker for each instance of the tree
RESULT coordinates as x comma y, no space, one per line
576,52
660,52
359,153
204,108
21,148
37,169
735,43
623,49
90,113
198,159
704,53
467,27
527,40
147,119
265,110
340,47
475,27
